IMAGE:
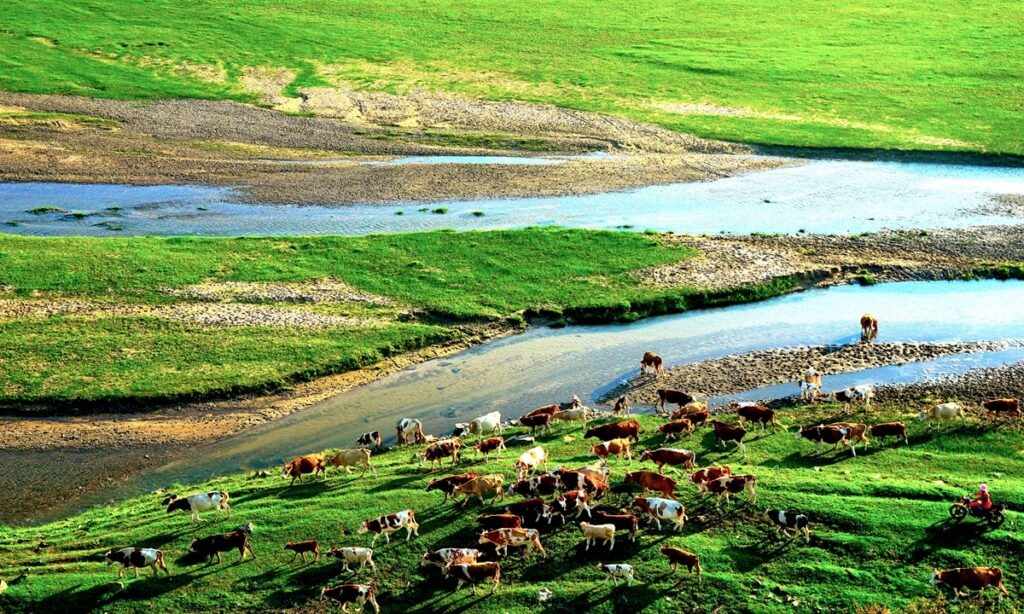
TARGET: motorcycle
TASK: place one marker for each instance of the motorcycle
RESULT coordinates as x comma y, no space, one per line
994,515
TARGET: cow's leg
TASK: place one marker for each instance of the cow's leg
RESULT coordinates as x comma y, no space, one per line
120,572
136,570
612,547
294,554
155,571
588,544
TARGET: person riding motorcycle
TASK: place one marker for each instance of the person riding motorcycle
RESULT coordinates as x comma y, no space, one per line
982,502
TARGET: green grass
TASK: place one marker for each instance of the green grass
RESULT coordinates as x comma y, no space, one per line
869,73
878,529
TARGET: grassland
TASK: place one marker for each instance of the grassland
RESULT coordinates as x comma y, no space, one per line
879,528
860,74
121,348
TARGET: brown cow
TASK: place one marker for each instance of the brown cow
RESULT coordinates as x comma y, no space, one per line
672,457
890,429
480,486
696,416
868,327
972,578
447,485
651,363
614,447
622,522
490,522
1003,406
526,509
548,410
677,557
440,450
758,414
615,430
540,421
672,430
302,465
622,404
729,433
493,444
301,548
475,573
667,395
359,594
649,480
708,474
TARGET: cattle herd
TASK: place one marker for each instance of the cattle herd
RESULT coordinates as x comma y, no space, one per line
541,495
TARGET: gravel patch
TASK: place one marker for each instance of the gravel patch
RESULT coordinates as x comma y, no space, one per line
327,290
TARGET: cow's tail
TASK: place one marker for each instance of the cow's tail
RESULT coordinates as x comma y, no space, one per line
160,561
412,519
223,497
497,576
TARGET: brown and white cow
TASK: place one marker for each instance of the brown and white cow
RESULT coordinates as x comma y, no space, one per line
503,538
358,594
199,502
578,480
822,434
858,432
971,578
566,503
810,384
868,327
493,444
447,485
651,363
446,556
351,556
530,460
479,486
409,427
650,480
301,548
614,447
537,485
672,430
673,457
137,558
622,405
440,450
213,545
890,429
360,457
656,509
629,429
1010,407
302,465
678,397
622,522
531,508
490,522
701,477
728,485
758,414
677,557
475,573
727,433
386,525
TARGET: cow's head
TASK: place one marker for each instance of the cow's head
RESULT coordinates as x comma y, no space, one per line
168,499
364,528
192,544
174,503
111,555
935,576
286,471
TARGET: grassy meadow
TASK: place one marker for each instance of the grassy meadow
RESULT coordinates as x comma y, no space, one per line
431,282
863,74
879,526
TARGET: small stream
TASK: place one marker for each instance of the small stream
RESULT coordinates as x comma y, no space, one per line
545,365
825,196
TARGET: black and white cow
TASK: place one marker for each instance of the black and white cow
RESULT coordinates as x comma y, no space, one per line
784,521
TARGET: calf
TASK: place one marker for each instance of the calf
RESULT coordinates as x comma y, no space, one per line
479,486
409,427
494,444
651,363
622,522
440,450
386,525
1003,406
526,509
810,385
868,327
703,476
530,460
849,395
822,434
622,405
351,556
199,502
615,447
672,430
944,412
630,429
758,414
890,429
733,485
137,558
617,570
540,421
673,457
697,416
503,538
594,532
972,578
215,544
358,594
656,510
301,548
445,556
489,522
302,465
784,521
537,485
568,502
353,458
372,438
667,395
677,557
448,485
649,480
727,433
475,573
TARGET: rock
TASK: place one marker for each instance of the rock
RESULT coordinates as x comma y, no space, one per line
520,440
3,586
544,594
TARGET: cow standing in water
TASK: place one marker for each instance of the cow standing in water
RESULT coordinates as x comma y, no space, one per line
868,327
651,363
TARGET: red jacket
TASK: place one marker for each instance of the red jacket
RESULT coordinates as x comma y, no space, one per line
982,500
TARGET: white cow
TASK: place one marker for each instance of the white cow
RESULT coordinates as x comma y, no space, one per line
617,570
530,460
603,532
407,427
352,556
386,525
199,502
846,396
578,414
944,412
445,556
488,423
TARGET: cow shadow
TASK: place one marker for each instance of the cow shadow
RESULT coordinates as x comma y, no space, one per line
945,534
397,483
